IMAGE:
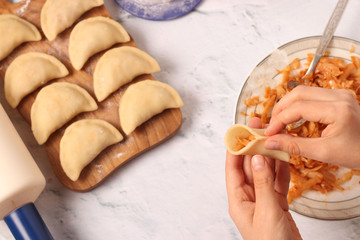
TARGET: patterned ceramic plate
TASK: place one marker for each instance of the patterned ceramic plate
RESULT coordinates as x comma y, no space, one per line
158,10
337,204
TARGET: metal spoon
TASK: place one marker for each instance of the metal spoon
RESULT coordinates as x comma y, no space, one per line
324,42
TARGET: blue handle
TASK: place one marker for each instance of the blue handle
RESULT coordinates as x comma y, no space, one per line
25,223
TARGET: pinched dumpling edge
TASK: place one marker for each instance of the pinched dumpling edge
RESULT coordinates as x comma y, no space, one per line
78,146
12,80
125,63
50,31
78,42
143,100
43,106
34,34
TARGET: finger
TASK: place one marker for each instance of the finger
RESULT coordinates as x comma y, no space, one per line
282,178
295,231
234,173
255,122
282,181
240,206
307,147
316,111
271,163
263,184
247,170
306,93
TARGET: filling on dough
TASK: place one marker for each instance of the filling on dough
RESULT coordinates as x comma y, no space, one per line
242,142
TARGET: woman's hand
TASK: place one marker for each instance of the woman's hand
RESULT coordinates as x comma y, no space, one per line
257,196
339,142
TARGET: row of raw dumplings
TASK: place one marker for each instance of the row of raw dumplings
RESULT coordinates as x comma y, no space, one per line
118,66
56,16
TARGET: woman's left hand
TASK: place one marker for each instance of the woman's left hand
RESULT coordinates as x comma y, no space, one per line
257,192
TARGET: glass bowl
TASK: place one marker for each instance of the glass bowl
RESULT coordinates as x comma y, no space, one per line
336,204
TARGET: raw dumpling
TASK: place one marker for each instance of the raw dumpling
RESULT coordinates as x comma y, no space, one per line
15,31
119,66
57,15
55,105
28,72
254,142
143,100
83,141
93,35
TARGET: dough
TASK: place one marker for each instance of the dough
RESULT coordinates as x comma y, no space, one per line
57,15
15,31
143,100
119,66
254,147
93,35
55,105
83,141
28,72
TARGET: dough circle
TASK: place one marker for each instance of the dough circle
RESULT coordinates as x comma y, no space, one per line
254,147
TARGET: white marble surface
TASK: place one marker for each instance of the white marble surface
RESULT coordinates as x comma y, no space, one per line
177,190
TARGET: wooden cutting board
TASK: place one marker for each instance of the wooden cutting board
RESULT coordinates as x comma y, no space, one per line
156,130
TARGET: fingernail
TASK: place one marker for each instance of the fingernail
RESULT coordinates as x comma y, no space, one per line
257,162
272,145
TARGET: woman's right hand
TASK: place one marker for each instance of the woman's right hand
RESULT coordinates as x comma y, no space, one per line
339,142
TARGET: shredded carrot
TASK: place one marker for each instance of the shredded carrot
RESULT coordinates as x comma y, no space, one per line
295,64
355,61
331,72
252,101
267,107
242,142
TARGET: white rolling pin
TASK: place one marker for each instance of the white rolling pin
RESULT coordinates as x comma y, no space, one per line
21,183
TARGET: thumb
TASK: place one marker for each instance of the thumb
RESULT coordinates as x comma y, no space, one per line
263,183
306,147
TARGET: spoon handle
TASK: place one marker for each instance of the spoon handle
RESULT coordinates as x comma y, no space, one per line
324,42
328,33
